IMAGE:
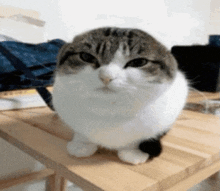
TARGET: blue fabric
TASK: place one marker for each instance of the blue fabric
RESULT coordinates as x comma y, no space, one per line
39,58
25,65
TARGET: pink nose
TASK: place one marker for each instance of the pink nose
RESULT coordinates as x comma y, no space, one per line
106,80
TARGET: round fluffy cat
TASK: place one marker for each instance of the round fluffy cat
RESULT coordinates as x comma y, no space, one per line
118,88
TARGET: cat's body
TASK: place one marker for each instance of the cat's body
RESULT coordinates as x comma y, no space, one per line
119,89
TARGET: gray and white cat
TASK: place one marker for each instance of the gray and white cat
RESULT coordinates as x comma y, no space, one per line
118,88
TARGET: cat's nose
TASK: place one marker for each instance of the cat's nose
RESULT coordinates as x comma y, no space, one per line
108,73
106,80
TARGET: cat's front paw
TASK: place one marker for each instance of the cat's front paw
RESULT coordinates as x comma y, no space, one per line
133,156
79,149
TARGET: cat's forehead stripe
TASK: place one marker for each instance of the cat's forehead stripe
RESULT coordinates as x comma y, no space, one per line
107,32
119,32
98,48
88,45
105,38
102,51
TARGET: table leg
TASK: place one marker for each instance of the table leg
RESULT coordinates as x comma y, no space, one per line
56,182
214,176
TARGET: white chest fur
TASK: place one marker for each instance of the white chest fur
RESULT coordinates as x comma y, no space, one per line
116,119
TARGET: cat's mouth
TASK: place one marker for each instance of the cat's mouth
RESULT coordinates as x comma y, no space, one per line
106,90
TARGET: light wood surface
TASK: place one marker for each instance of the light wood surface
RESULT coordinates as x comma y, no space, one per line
191,153
196,96
7,183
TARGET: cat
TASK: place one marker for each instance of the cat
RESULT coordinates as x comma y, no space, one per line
118,88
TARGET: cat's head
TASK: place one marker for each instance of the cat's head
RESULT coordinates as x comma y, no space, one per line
118,58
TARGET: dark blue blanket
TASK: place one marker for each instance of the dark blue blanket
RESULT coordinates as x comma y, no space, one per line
24,65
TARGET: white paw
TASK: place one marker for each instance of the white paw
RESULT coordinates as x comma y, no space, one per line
133,156
79,149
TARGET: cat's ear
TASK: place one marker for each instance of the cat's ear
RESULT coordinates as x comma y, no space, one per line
170,65
65,51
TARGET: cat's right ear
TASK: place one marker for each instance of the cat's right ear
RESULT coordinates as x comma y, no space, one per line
65,51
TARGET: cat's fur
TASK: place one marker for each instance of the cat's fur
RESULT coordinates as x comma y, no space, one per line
120,89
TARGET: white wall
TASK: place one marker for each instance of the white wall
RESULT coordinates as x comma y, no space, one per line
171,21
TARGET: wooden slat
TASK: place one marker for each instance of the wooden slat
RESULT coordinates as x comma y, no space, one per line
196,178
43,118
93,173
197,136
195,97
201,125
203,150
25,178
199,116
157,169
215,176
165,172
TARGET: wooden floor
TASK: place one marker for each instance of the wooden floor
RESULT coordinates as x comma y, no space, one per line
191,152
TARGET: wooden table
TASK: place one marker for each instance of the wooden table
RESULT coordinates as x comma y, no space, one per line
191,154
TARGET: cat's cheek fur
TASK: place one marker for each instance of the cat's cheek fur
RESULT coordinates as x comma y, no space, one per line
153,119
134,76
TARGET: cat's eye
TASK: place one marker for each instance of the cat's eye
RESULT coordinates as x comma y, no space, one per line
138,62
86,57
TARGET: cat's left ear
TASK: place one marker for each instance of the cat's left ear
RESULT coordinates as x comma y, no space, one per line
171,65
64,53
